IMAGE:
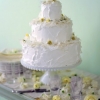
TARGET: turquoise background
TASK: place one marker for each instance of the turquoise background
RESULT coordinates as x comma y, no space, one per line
1,98
15,16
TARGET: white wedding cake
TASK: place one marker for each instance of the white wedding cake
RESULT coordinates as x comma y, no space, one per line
52,42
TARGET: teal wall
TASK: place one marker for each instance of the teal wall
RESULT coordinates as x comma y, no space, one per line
15,16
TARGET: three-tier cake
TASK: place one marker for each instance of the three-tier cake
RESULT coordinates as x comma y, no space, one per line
52,42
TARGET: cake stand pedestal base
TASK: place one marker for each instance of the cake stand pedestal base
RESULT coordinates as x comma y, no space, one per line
50,76
50,73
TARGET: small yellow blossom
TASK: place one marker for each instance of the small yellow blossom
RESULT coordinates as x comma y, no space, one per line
66,80
42,19
90,97
73,37
27,35
49,42
53,0
37,99
48,20
56,97
37,85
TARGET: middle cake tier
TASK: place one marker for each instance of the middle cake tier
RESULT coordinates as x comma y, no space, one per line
59,31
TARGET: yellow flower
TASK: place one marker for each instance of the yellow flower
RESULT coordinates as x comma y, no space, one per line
48,20
53,0
66,80
37,85
27,35
90,97
73,37
87,80
49,42
37,99
42,19
56,97
68,70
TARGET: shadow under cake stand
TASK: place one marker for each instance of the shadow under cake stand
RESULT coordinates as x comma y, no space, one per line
50,73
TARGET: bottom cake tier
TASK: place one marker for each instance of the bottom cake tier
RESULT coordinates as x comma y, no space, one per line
40,55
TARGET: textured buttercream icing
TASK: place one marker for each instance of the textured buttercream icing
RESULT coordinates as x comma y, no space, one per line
51,42
51,10
57,55
56,31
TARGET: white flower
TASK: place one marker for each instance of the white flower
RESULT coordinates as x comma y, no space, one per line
23,85
45,96
90,90
3,75
65,97
84,85
94,84
2,79
34,78
21,79
99,92
67,86
64,90
83,91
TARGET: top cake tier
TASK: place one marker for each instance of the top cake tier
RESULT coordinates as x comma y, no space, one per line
51,9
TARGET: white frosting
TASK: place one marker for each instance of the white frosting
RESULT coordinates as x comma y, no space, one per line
95,84
41,55
24,85
51,43
51,10
56,31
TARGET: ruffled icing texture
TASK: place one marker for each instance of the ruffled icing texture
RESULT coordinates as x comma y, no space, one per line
51,9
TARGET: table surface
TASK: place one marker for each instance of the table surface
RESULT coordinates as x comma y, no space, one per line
8,95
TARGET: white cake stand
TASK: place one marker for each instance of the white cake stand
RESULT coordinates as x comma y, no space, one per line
50,73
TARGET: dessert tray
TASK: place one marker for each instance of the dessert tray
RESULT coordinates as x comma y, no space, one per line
36,95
